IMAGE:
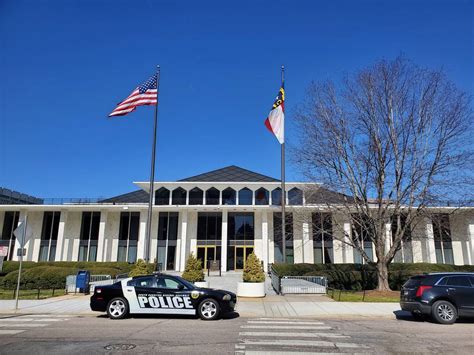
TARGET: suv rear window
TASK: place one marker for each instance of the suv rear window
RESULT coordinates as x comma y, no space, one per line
413,282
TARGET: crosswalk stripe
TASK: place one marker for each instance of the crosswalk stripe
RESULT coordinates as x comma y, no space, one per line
302,327
48,316
238,346
23,325
293,335
284,322
10,331
312,343
19,319
277,319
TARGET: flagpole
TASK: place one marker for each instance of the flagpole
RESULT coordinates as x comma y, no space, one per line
152,173
21,263
283,192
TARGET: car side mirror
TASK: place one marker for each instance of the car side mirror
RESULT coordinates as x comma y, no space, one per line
180,287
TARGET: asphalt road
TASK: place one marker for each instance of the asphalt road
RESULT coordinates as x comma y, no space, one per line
47,334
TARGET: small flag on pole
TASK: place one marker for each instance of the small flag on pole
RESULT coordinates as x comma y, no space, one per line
145,94
275,121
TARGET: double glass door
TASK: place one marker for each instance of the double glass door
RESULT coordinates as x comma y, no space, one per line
240,256
208,253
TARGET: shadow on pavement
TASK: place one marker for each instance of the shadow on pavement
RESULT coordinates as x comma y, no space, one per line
407,316
228,316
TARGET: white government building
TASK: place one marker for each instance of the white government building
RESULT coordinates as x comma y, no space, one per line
221,215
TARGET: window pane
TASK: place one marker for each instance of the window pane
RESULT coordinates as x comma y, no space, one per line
122,253
52,253
162,196
295,197
124,223
458,281
276,197
82,253
179,196
95,226
318,255
228,196
212,196
132,253
162,225
43,256
85,225
195,196
56,216
245,197
47,226
134,225
93,253
173,226
261,197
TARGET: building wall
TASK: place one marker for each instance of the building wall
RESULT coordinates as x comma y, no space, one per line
421,247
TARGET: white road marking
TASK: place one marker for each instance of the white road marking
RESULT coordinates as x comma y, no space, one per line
16,319
238,346
10,331
293,335
284,322
312,343
48,316
302,327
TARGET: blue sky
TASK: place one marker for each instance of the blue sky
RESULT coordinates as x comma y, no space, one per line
65,64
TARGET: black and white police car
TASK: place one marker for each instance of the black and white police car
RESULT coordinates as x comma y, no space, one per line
161,294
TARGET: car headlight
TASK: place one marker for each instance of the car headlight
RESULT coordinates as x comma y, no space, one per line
226,298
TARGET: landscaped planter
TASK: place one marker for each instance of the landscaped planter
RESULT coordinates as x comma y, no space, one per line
251,289
203,284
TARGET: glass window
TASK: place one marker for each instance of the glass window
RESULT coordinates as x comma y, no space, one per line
89,235
362,232
128,236
169,283
322,238
195,196
148,281
276,197
212,196
261,197
245,196
277,237
209,226
442,239
49,236
179,196
7,237
240,226
295,197
462,281
228,196
162,196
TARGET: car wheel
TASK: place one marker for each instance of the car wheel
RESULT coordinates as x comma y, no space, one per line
117,308
208,309
444,312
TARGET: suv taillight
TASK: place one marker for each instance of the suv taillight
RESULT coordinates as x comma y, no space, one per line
421,290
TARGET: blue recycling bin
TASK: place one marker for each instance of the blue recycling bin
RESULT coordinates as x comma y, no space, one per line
82,281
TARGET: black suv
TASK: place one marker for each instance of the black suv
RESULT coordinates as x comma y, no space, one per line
443,296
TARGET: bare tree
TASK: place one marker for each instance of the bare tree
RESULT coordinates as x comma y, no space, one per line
393,139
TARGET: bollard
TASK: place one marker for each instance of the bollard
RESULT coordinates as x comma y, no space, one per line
53,291
38,294
340,291
363,296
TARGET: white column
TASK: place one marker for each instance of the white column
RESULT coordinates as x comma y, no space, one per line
101,256
338,246
388,237
224,241
348,250
431,251
60,241
308,251
142,235
265,245
470,244
184,231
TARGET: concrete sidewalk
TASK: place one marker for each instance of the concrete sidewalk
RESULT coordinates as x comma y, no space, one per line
270,306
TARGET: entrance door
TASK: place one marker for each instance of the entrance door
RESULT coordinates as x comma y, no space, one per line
240,257
206,253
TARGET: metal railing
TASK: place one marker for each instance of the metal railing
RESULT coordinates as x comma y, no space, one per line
298,284
95,278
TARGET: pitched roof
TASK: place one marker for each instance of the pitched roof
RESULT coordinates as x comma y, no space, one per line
231,173
138,196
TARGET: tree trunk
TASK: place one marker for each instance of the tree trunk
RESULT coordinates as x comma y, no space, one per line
382,277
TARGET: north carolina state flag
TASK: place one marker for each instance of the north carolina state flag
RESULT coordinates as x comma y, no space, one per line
275,121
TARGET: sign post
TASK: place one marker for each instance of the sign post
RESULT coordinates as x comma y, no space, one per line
20,234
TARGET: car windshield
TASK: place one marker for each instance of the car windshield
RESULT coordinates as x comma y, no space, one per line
186,283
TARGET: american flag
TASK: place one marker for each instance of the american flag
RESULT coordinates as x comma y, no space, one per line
144,94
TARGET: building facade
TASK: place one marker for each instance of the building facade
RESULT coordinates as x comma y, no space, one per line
221,216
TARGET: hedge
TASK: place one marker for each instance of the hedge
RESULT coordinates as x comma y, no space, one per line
53,274
359,277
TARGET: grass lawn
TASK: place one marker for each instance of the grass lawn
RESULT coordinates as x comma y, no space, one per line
370,296
30,294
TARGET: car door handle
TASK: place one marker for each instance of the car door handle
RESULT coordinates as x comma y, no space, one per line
451,289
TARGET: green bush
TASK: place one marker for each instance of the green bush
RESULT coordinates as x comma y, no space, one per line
193,270
359,277
141,268
39,277
253,271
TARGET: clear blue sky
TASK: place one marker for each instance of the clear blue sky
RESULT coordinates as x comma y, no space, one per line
65,64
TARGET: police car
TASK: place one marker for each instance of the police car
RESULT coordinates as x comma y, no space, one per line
161,294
